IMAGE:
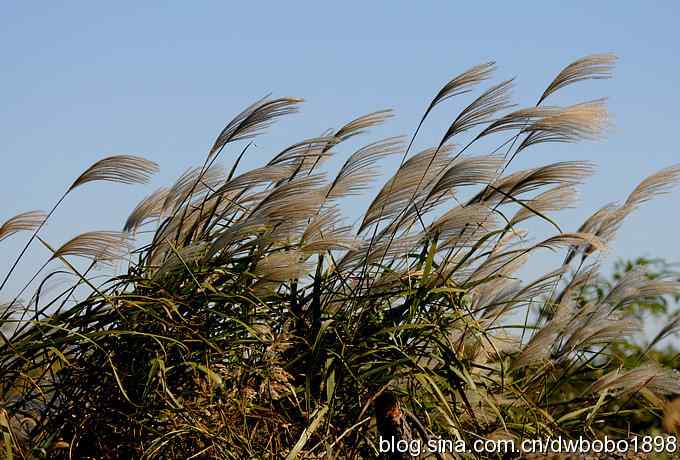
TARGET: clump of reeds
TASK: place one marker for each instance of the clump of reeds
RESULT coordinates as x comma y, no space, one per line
256,322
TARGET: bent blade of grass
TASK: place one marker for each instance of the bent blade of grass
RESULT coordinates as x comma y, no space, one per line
317,417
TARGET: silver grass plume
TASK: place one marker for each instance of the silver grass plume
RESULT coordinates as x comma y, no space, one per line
126,169
462,83
191,183
597,324
569,239
462,224
607,220
554,199
21,222
528,180
181,259
659,183
359,170
399,189
105,246
466,171
586,120
594,66
650,376
253,120
149,208
541,345
308,150
481,110
292,203
326,232
281,266
361,124
256,177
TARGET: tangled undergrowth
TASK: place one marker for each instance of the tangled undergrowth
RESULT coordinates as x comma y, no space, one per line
252,321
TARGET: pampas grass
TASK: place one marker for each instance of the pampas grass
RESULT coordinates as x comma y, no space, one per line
21,222
256,321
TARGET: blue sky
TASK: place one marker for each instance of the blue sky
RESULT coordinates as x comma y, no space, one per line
82,80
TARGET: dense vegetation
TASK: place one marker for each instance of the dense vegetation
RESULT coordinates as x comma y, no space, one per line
252,321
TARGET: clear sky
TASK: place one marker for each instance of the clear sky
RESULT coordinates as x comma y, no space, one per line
82,80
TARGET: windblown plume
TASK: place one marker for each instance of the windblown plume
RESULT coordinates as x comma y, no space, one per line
10,317
105,246
581,121
657,184
570,239
289,205
21,222
149,208
309,149
361,124
462,83
594,66
191,183
281,266
542,343
513,237
628,285
180,225
353,128
606,221
490,296
297,199
637,285
518,119
9,309
462,223
671,327
257,177
596,325
385,251
481,110
5,310
501,266
325,232
181,259
467,171
596,224
555,199
359,169
422,168
236,232
561,173
650,376
540,347
541,286
253,120
126,169
590,274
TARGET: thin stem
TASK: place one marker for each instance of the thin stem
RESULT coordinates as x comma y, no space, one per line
35,233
